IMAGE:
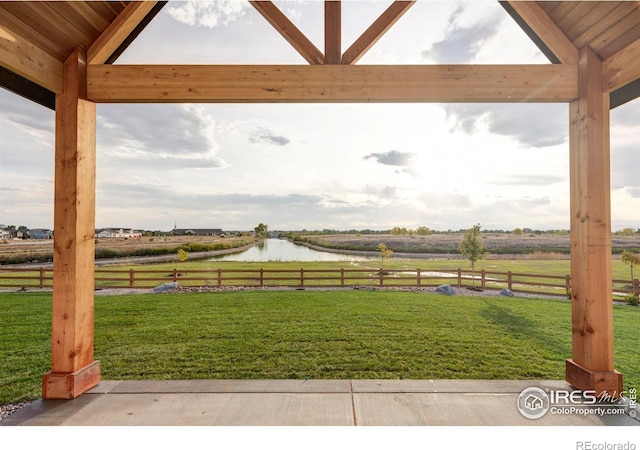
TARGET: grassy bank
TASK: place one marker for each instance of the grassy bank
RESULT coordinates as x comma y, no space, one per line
306,334
29,251
447,243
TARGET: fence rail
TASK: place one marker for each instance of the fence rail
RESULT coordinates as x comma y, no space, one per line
317,278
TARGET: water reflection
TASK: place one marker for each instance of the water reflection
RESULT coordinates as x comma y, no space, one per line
283,250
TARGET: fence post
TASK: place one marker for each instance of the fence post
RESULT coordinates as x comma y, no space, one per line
342,276
419,278
261,277
175,275
219,277
509,281
132,278
636,287
482,278
41,277
567,285
381,277
459,277
301,277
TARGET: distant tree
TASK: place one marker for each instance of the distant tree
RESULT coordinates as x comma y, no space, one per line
182,255
261,229
385,252
518,232
423,231
471,247
625,232
399,231
631,259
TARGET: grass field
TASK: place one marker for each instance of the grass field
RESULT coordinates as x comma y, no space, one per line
308,334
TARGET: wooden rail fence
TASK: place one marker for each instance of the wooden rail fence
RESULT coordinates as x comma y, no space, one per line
559,285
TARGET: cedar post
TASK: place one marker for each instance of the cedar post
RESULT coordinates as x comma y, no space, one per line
73,369
591,366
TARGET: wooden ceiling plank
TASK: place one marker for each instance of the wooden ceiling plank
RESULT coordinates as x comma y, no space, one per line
619,36
579,10
11,22
105,9
549,7
546,30
372,34
622,68
22,57
332,32
98,22
115,34
22,12
332,83
594,19
604,22
289,31
49,14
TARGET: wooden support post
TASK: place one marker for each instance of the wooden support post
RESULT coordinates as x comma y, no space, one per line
418,277
332,32
73,370
591,366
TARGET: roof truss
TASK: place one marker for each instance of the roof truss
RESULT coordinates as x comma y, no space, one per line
31,59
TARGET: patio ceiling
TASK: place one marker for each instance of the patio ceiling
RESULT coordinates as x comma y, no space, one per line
37,37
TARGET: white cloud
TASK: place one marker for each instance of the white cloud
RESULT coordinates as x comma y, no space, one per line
207,14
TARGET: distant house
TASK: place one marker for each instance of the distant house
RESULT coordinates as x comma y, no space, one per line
197,232
40,233
4,234
118,233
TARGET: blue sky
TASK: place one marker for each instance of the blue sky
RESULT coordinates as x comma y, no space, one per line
321,166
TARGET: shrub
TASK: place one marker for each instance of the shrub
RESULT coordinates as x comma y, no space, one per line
632,300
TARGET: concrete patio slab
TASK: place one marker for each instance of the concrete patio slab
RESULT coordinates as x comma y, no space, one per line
307,403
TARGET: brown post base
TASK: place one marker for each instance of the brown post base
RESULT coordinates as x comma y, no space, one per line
59,385
609,383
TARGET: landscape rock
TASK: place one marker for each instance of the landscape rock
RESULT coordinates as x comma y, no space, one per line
165,287
445,289
506,293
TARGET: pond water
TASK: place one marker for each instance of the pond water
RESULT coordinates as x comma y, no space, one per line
283,250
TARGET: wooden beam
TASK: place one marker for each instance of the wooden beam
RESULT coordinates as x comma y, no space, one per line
28,61
373,34
546,30
289,31
118,31
591,366
622,68
332,32
331,83
73,369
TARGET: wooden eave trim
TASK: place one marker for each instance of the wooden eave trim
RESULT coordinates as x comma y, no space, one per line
28,61
331,83
622,68
543,31
289,31
26,88
373,34
118,31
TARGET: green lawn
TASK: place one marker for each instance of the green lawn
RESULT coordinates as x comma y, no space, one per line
308,334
